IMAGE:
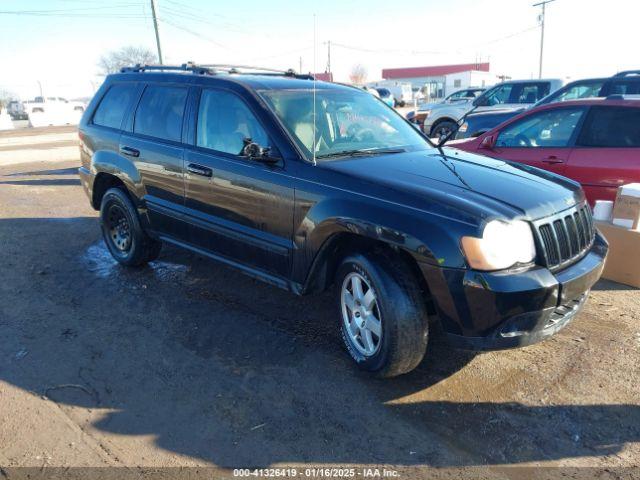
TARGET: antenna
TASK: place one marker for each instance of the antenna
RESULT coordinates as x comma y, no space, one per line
313,148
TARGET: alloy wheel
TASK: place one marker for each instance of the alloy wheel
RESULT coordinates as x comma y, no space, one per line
361,314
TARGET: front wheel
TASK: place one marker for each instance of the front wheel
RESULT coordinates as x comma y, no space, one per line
127,242
382,313
442,129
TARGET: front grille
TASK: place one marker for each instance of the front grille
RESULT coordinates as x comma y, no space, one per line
565,237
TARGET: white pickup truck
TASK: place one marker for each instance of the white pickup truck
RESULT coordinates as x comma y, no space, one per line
46,111
440,119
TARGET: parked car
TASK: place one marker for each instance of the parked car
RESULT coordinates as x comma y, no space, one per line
371,90
386,97
440,120
402,93
466,95
624,83
595,142
48,111
16,110
238,168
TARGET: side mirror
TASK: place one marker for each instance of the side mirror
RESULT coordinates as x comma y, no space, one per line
254,151
488,143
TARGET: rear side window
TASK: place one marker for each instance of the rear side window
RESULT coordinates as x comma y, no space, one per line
225,121
113,105
625,87
160,112
611,127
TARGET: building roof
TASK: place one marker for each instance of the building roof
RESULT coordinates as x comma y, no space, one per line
437,71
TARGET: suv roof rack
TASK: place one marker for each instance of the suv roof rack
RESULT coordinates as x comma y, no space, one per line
212,69
253,70
627,73
185,67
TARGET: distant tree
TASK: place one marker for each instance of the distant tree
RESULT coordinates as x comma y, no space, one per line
127,56
5,97
358,74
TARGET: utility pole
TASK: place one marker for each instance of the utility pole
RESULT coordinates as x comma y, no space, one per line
155,26
542,4
329,56
300,71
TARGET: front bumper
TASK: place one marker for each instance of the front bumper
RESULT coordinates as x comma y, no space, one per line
498,310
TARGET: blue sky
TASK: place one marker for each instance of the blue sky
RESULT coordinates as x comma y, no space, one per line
62,46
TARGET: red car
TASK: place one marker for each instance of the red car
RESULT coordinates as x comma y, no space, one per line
595,142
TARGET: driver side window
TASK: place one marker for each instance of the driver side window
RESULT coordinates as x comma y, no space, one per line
551,128
500,95
225,121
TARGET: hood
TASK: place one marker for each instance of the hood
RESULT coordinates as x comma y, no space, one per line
480,185
432,105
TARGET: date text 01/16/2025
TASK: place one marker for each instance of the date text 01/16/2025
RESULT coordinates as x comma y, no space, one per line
316,472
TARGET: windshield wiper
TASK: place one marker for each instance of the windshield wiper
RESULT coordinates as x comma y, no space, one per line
361,152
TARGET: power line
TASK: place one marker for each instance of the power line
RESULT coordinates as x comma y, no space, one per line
192,32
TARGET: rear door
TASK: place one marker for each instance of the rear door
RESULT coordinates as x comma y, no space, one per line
543,139
607,151
153,143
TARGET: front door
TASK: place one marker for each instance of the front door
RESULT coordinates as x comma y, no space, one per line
240,209
543,139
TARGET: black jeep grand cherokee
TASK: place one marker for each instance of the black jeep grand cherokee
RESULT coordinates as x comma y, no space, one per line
308,184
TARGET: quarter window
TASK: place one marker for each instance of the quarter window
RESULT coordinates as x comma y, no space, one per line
114,105
552,128
160,112
611,127
225,122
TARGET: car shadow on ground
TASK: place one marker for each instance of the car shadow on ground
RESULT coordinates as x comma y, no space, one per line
43,182
604,285
224,369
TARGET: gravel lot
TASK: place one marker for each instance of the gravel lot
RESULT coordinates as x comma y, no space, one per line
186,362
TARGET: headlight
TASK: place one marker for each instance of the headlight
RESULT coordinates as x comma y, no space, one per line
503,244
463,128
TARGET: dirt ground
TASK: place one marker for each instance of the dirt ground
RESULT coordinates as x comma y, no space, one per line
188,363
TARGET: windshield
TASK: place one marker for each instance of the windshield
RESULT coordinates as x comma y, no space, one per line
346,121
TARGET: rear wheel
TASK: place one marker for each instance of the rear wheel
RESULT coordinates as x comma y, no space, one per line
127,242
382,312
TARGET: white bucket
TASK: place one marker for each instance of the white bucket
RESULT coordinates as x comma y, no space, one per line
603,210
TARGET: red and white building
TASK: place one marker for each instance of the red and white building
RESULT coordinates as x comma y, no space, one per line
442,80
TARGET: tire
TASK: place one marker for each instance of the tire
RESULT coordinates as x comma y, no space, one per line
441,129
127,242
399,306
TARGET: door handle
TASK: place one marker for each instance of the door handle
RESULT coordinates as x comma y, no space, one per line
130,151
199,170
552,159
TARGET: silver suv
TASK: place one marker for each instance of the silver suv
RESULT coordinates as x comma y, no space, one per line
440,119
